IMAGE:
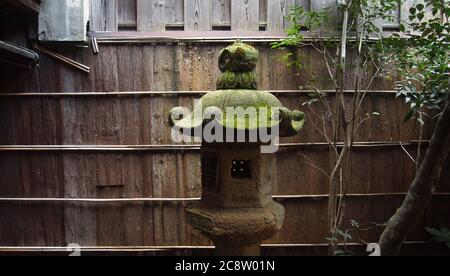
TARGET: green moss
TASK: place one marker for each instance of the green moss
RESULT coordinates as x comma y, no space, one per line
238,80
246,100
238,57
237,88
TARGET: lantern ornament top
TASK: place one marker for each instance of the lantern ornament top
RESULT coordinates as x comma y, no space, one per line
238,90
238,63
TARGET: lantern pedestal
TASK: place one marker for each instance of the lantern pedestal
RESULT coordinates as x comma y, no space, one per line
237,231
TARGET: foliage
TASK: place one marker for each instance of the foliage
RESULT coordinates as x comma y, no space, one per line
442,235
421,56
353,233
373,10
301,20
339,121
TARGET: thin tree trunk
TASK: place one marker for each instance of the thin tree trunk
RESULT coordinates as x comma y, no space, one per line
421,190
340,115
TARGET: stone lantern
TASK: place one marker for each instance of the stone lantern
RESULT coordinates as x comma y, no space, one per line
237,211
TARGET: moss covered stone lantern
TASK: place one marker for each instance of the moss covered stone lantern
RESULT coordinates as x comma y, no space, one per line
239,127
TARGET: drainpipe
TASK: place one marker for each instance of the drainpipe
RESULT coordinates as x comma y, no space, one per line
16,55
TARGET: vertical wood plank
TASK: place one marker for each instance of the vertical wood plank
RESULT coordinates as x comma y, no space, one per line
277,12
221,12
197,14
245,15
80,219
331,9
392,24
174,11
151,15
107,175
198,61
263,12
134,177
193,188
104,16
164,166
127,13
132,171
146,113
306,4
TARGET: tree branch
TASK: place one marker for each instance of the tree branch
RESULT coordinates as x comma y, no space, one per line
421,189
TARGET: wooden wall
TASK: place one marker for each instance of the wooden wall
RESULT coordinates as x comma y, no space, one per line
52,116
218,15
67,134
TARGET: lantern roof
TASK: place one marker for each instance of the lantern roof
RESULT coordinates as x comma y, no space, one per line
238,104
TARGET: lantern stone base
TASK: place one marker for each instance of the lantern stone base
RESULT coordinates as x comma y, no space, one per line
238,231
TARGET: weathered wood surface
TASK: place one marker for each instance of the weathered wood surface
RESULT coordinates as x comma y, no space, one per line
151,15
104,16
162,68
174,12
219,15
127,14
113,120
245,15
197,14
277,12
128,121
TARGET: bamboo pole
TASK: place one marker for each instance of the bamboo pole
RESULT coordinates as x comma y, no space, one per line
194,199
171,93
205,37
62,59
182,148
11,249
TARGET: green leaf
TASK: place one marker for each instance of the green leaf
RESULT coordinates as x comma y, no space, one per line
412,10
442,235
331,239
409,115
344,235
420,7
310,102
420,16
435,11
340,253
354,223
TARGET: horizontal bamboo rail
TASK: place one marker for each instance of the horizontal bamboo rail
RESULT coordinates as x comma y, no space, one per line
205,37
184,36
183,148
172,93
99,148
184,200
11,249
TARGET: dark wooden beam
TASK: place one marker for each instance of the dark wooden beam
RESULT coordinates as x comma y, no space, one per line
25,5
